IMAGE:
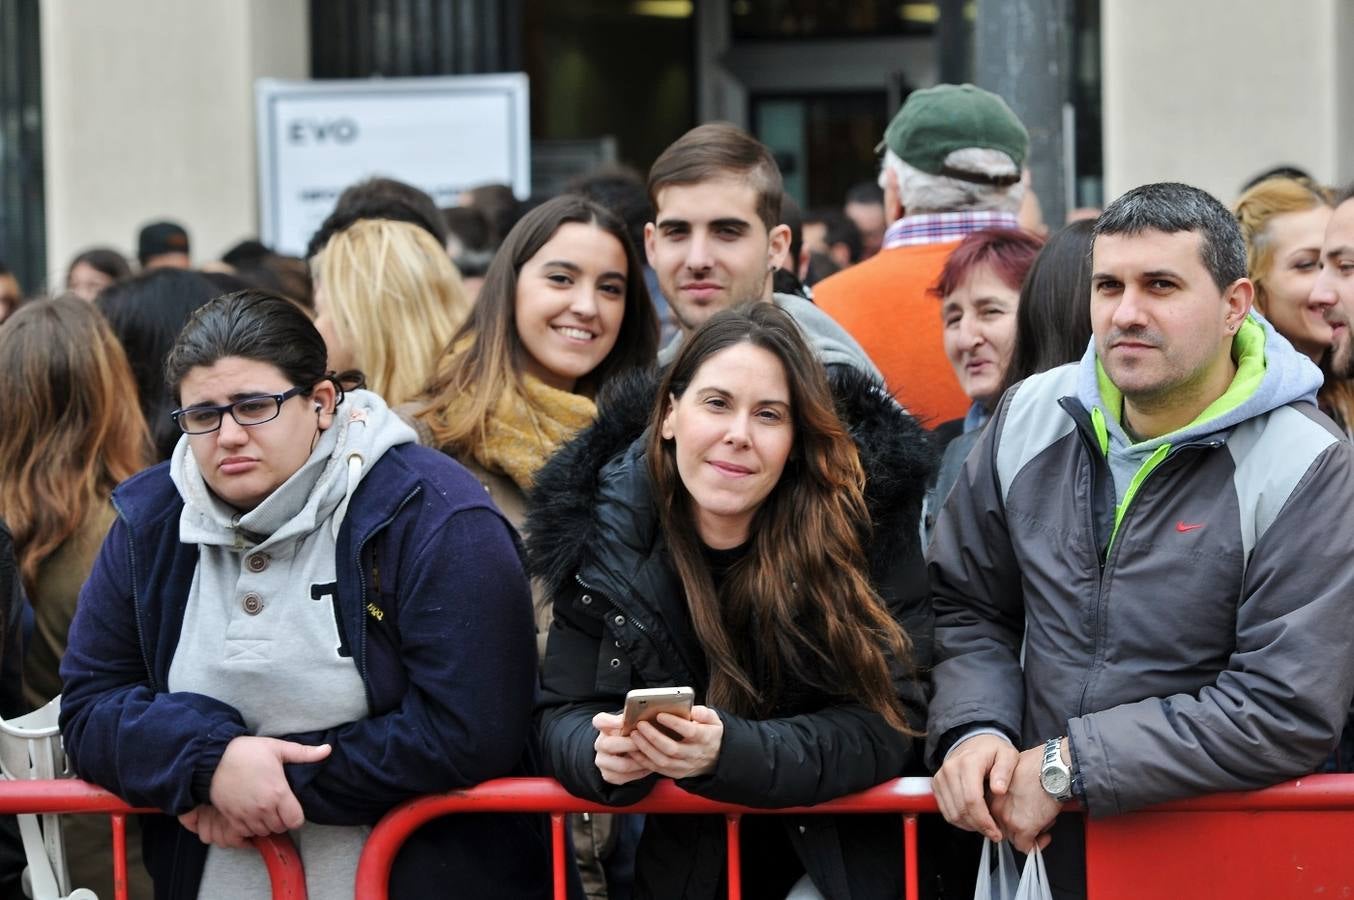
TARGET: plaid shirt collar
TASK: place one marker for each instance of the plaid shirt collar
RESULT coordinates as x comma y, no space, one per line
939,228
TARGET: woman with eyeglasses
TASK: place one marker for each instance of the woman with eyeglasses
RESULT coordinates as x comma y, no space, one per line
299,621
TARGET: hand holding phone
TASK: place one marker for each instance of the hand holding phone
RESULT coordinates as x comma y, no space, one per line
644,705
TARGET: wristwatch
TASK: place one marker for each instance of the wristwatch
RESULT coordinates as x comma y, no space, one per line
1054,774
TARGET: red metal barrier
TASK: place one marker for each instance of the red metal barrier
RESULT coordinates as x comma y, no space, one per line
71,796
1288,841
1295,843
908,797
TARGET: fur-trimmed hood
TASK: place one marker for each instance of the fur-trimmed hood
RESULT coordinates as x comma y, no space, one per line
564,523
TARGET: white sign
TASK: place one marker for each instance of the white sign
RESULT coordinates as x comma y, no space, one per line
443,135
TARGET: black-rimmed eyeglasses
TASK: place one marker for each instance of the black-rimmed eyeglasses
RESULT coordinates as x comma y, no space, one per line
246,412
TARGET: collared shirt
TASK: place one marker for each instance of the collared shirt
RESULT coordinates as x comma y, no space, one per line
938,228
975,418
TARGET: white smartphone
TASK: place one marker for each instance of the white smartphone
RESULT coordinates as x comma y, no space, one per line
644,705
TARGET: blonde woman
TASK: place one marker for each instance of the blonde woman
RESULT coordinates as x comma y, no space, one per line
387,300
1284,221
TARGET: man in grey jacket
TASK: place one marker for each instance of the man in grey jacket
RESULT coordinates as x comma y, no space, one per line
716,193
1141,582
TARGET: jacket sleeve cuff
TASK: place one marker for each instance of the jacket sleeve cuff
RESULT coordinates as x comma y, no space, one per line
209,757
973,733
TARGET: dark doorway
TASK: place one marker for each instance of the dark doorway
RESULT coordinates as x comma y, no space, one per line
824,142
23,223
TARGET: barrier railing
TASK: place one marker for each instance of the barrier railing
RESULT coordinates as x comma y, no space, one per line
1295,836
1286,841
908,797
71,796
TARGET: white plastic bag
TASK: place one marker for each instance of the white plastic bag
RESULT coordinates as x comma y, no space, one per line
997,878
1034,879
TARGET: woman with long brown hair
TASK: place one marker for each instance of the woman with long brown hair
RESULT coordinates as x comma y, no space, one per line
72,430
563,309
738,535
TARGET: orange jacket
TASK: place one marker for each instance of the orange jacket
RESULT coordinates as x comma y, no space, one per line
886,305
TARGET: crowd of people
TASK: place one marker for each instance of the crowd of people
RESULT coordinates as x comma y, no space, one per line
913,486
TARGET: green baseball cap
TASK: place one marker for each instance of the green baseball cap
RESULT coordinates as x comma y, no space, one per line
936,121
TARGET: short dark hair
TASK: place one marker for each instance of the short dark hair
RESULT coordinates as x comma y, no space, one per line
104,260
868,193
720,150
380,198
839,229
250,324
468,225
621,190
1172,207
1280,171
146,313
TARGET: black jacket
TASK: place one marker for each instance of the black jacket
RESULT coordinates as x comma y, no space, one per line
620,622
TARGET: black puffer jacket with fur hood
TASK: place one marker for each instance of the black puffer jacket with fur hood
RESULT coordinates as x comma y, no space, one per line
620,622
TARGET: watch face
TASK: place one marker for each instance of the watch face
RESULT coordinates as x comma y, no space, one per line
1055,781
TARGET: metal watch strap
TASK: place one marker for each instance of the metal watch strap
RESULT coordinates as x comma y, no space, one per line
1053,760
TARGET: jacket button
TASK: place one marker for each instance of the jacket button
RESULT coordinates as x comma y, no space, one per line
587,599
802,829
615,664
619,620
617,643
258,562
252,603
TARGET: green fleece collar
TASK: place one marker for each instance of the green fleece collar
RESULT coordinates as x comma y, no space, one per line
1248,351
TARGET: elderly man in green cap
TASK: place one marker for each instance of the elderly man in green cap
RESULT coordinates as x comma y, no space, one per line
952,159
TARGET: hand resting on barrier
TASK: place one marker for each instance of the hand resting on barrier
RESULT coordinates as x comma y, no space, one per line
250,789
976,769
1025,810
207,822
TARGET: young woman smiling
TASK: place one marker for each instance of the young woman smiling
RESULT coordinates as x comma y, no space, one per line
1284,222
730,532
293,623
563,310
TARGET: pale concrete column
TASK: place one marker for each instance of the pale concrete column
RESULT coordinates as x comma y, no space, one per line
1210,92
148,113
1022,51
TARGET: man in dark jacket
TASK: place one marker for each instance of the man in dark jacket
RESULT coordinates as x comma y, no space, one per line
1135,578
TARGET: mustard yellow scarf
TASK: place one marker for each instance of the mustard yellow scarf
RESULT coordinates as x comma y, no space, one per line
525,429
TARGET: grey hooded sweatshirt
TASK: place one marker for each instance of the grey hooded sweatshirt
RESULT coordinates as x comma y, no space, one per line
261,632
830,342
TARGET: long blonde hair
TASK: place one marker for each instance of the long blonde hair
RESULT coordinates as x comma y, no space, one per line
395,299
1256,207
72,425
1254,211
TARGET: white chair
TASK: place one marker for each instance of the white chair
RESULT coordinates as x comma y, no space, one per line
30,749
